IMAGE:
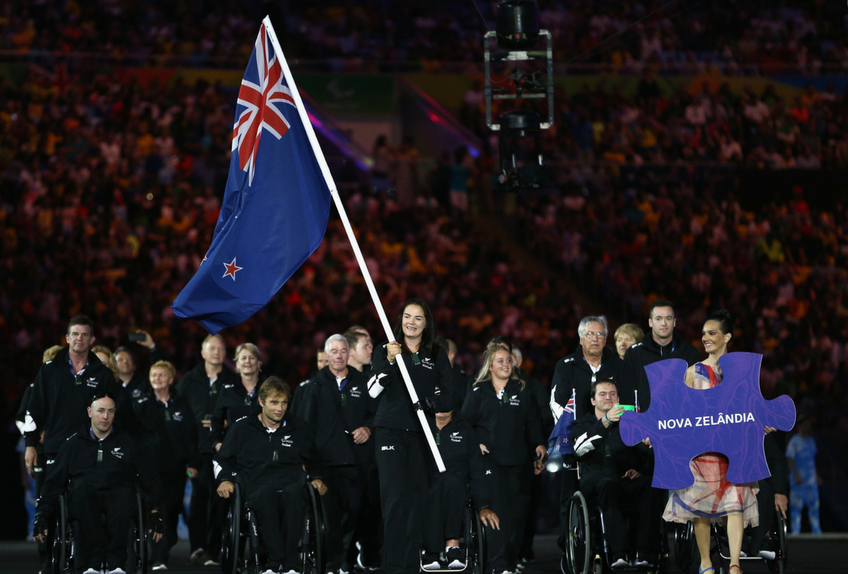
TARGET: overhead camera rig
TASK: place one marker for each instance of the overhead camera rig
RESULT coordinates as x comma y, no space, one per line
516,35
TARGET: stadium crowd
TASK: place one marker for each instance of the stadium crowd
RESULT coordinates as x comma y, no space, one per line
756,37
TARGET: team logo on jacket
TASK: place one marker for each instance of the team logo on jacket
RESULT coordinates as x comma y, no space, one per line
91,382
178,416
136,393
514,401
355,393
116,452
388,447
456,437
428,363
286,440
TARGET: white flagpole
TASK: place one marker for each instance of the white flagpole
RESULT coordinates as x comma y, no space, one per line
325,170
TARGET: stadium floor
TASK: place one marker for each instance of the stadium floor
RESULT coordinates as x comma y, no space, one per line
807,555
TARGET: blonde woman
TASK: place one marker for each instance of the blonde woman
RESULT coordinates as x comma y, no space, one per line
626,336
506,421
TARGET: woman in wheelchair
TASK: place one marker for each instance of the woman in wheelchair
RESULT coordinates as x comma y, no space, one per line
618,479
712,497
448,495
507,423
266,451
98,468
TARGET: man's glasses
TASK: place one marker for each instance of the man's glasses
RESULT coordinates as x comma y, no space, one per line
595,335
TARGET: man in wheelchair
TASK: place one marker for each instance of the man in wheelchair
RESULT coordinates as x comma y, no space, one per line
448,495
618,478
266,451
98,468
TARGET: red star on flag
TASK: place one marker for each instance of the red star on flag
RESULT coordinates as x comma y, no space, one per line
232,268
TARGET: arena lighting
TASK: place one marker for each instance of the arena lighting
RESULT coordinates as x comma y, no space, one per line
517,24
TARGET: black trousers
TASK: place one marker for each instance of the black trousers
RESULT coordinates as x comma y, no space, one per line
369,528
206,511
622,498
768,514
405,467
569,487
279,516
509,487
534,497
343,505
97,541
172,504
446,502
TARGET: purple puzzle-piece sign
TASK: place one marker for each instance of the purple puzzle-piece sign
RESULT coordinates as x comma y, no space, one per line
683,423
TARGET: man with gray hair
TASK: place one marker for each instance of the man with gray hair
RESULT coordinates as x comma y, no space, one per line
336,404
593,361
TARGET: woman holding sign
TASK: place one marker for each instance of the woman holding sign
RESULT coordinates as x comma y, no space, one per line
712,497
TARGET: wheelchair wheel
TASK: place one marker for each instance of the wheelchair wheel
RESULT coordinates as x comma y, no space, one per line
476,542
312,542
231,542
61,551
139,542
578,548
778,533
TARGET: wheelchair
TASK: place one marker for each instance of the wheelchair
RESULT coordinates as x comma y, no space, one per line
241,551
64,545
586,548
473,542
687,548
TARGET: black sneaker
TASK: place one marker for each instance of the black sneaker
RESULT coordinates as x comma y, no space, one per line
430,561
455,558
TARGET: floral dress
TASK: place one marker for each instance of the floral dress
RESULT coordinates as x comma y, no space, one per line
712,496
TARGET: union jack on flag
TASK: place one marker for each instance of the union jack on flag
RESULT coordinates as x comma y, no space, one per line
259,113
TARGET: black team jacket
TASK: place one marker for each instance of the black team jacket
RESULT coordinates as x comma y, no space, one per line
508,425
431,377
255,457
602,453
202,397
233,403
58,403
460,450
335,414
84,461
168,433
633,375
573,372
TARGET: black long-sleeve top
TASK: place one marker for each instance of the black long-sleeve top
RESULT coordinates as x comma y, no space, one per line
233,403
573,372
508,424
460,450
122,462
58,403
202,396
431,377
334,414
602,453
168,433
638,356
253,456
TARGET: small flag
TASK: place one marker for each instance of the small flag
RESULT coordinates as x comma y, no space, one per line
559,443
276,203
